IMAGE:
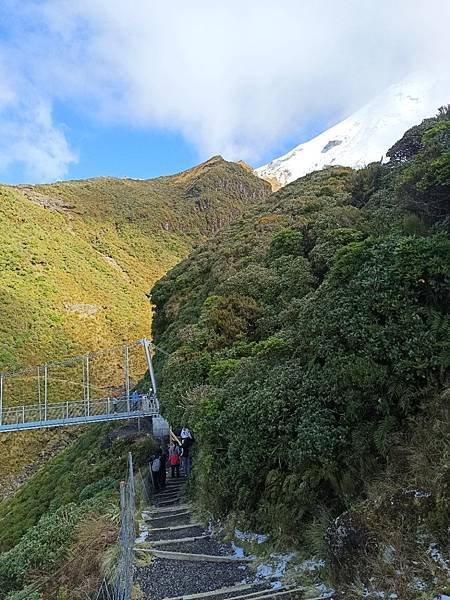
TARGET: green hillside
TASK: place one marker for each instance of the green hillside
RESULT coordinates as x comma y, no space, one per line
77,259
309,350
58,532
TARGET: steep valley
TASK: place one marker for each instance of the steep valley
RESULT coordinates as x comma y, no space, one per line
77,259
307,347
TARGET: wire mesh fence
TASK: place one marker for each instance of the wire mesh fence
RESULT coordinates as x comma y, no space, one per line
119,585
124,575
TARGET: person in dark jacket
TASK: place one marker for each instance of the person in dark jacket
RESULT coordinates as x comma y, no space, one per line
186,448
155,468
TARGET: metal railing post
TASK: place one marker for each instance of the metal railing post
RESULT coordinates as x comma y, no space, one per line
1,399
45,391
130,471
148,355
127,378
39,392
88,399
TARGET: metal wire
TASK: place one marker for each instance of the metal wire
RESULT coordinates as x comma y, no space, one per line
123,581
119,584
73,359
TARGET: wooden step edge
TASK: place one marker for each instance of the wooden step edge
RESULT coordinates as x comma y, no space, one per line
268,593
174,494
174,527
224,590
168,509
255,595
187,556
157,514
181,540
165,517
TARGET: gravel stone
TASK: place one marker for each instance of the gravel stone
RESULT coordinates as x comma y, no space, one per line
205,546
167,578
170,521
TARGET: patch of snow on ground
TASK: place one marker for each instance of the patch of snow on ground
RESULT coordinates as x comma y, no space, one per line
248,536
238,551
311,564
143,534
419,584
373,594
418,493
274,568
436,555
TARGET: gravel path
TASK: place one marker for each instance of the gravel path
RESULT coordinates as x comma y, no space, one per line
170,521
167,578
205,546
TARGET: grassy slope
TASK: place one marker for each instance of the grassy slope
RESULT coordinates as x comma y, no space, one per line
76,490
78,257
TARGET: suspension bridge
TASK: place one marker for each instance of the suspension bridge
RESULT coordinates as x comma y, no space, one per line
79,390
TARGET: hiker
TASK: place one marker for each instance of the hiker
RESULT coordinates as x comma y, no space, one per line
134,400
162,471
145,403
186,444
155,468
185,433
174,460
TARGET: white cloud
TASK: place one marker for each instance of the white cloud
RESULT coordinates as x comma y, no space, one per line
28,136
234,77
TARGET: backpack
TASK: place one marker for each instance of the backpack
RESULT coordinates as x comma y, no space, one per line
174,459
156,464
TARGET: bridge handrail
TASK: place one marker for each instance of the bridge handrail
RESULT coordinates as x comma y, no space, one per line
111,405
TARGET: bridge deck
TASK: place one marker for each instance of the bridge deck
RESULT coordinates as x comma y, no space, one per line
19,418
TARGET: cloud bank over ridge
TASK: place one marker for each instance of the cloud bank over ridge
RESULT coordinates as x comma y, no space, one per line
233,78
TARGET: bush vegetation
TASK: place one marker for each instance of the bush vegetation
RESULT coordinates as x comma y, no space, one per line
309,341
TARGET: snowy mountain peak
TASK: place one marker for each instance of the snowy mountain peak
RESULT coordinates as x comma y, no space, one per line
365,136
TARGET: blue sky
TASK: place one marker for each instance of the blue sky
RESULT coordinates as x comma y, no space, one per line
145,88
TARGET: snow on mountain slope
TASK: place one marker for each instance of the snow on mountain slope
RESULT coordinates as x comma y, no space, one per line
367,135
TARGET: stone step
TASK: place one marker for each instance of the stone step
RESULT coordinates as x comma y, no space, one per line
180,540
169,533
184,556
175,482
163,577
174,515
174,527
166,502
203,544
167,510
168,492
238,592
223,591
